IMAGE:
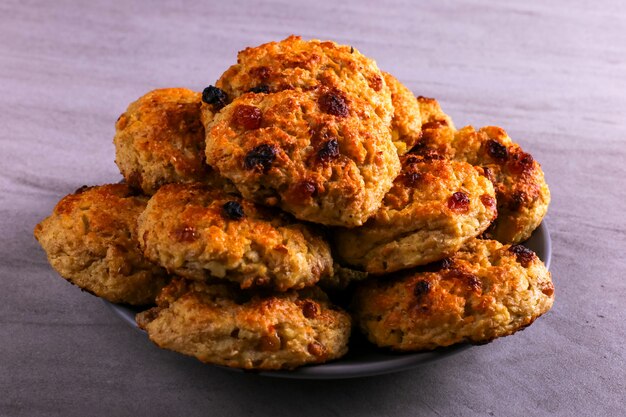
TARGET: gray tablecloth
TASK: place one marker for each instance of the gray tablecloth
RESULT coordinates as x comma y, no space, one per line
552,73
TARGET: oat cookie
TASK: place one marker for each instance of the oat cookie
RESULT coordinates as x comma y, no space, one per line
433,208
318,154
223,325
294,63
521,190
200,232
160,140
485,291
91,240
406,125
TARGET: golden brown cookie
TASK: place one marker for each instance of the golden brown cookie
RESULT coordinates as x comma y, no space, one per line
222,325
91,240
160,140
295,63
406,126
521,191
200,232
319,154
483,292
433,208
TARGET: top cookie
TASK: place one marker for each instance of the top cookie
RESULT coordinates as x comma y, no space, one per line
321,154
297,64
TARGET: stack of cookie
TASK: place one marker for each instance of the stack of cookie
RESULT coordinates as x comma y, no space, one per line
303,171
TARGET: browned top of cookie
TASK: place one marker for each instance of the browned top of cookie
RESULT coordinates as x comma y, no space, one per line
434,206
201,232
91,240
160,139
521,191
486,290
320,154
295,63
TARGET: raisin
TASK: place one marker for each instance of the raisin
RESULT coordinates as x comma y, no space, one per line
497,150
233,210
214,96
471,280
548,289
334,102
411,179
328,151
260,157
523,255
459,202
82,189
269,343
521,162
421,288
488,201
248,117
316,349
488,173
261,88
309,309
517,200
186,234
303,190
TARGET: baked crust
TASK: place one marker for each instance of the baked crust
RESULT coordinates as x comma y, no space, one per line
321,154
201,232
433,208
406,125
485,291
222,325
91,240
159,140
294,63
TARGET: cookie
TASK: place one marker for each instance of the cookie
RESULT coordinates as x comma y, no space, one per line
320,154
521,190
485,291
91,241
406,125
222,325
294,63
434,207
200,232
437,129
160,140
